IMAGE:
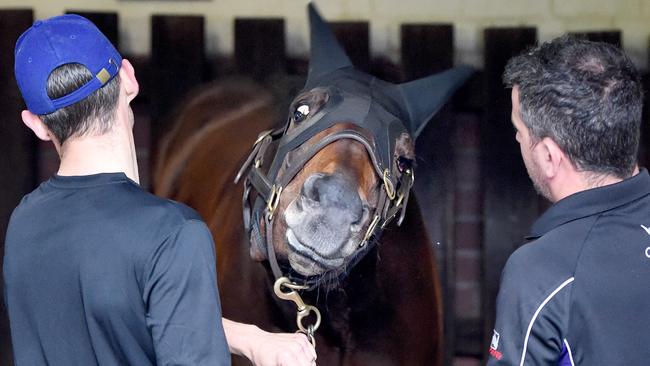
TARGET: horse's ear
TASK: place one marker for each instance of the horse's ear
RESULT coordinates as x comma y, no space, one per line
424,97
326,53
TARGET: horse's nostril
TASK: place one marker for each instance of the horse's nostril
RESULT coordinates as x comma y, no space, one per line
361,216
310,189
333,191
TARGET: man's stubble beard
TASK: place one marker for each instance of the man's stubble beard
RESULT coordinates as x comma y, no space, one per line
534,172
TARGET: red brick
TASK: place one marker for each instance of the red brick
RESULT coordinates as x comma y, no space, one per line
466,361
468,267
468,202
468,168
467,300
467,235
467,132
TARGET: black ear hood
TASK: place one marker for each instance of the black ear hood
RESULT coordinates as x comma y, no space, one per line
417,100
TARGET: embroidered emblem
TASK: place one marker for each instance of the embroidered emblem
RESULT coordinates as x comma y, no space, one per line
495,340
494,345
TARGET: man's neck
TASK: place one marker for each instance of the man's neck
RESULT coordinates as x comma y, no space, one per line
583,181
112,152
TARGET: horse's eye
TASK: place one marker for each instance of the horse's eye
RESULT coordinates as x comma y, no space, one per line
301,112
404,164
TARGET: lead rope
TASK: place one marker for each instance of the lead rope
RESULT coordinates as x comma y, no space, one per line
303,309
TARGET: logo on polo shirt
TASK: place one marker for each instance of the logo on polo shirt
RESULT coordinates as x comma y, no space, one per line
647,250
647,229
494,345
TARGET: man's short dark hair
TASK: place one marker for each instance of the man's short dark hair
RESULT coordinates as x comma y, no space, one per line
93,115
587,97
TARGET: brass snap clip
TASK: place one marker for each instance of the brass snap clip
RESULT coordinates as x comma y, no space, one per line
303,309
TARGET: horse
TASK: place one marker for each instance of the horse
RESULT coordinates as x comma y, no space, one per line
325,220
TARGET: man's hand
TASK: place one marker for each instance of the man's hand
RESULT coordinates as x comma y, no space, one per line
269,349
282,349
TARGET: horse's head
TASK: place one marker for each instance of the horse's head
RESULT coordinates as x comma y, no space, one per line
342,166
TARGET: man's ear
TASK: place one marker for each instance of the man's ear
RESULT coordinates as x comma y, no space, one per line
35,124
549,157
127,78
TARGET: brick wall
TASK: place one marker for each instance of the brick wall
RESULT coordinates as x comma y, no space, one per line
468,222
467,217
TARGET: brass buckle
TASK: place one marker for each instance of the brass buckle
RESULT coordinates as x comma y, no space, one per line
408,173
388,185
371,229
273,201
262,136
399,199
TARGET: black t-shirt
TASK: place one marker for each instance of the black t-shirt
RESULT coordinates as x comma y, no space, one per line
579,294
99,272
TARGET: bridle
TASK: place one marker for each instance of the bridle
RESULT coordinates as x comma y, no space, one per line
269,180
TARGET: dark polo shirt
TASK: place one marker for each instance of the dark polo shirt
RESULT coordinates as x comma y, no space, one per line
579,293
99,272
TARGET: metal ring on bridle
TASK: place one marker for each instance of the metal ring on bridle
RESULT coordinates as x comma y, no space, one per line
371,229
399,200
388,185
262,136
274,199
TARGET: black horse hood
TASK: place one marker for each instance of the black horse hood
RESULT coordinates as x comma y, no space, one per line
384,110
413,103
382,114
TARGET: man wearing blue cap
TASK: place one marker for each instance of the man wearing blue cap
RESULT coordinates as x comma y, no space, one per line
98,271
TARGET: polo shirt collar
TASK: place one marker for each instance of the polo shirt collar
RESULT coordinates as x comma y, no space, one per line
592,201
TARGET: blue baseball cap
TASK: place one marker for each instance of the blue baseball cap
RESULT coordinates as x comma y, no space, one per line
57,41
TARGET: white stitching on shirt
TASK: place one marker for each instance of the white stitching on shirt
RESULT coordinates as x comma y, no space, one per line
532,321
568,350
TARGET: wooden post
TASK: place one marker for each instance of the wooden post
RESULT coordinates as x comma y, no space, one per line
426,50
260,47
177,65
18,167
509,200
612,37
354,38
